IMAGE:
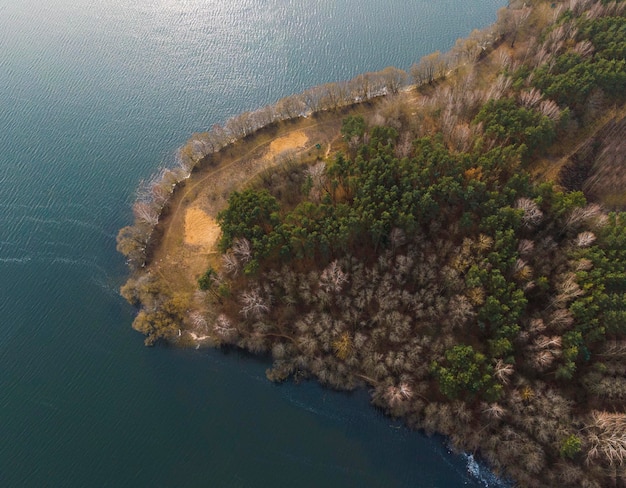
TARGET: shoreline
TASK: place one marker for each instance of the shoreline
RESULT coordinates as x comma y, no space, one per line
489,308
155,193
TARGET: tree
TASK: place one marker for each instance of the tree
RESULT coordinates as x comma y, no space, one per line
466,372
430,67
507,123
132,242
290,107
511,21
162,323
251,214
353,128
333,278
570,446
394,79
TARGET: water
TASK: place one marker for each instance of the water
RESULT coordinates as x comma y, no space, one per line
94,96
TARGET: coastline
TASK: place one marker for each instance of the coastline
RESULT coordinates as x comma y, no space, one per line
202,149
179,249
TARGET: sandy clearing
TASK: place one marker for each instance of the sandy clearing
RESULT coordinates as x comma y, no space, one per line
201,229
293,141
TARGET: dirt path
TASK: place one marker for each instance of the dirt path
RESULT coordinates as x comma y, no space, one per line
190,233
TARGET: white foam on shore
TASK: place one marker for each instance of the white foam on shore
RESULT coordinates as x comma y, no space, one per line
482,474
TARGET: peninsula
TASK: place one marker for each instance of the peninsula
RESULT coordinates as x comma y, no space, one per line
454,245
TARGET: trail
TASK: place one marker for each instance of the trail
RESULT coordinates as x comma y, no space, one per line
178,262
238,174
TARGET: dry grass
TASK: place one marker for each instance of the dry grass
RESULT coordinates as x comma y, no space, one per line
291,142
201,230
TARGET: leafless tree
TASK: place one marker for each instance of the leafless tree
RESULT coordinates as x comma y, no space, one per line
607,438
498,88
584,48
525,246
333,95
583,264
530,98
394,79
223,327
253,304
493,411
614,348
561,319
361,86
502,371
532,214
317,173
198,320
333,278
460,310
314,99
242,249
230,263
536,326
608,9
146,212
291,107
518,20
567,289
429,68
397,238
521,270
585,239
551,110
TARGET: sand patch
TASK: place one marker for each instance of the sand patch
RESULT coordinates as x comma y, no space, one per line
201,229
294,141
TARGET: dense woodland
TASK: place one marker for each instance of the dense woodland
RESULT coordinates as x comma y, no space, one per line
424,262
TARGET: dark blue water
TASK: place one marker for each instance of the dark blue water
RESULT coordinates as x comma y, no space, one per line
94,96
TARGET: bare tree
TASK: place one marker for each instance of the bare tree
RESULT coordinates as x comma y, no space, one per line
333,278
331,96
525,246
361,86
254,305
567,289
223,327
393,79
532,214
607,438
585,239
230,263
397,395
314,99
503,371
291,107
429,68
512,20
530,98
591,214
197,320
317,174
493,411
146,212
242,249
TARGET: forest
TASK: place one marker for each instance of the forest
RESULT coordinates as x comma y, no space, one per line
437,258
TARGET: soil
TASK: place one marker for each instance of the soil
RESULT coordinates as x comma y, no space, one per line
201,230
291,142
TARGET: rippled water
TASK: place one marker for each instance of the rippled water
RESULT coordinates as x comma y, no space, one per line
94,96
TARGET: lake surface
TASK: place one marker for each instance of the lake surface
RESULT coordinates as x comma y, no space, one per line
94,96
